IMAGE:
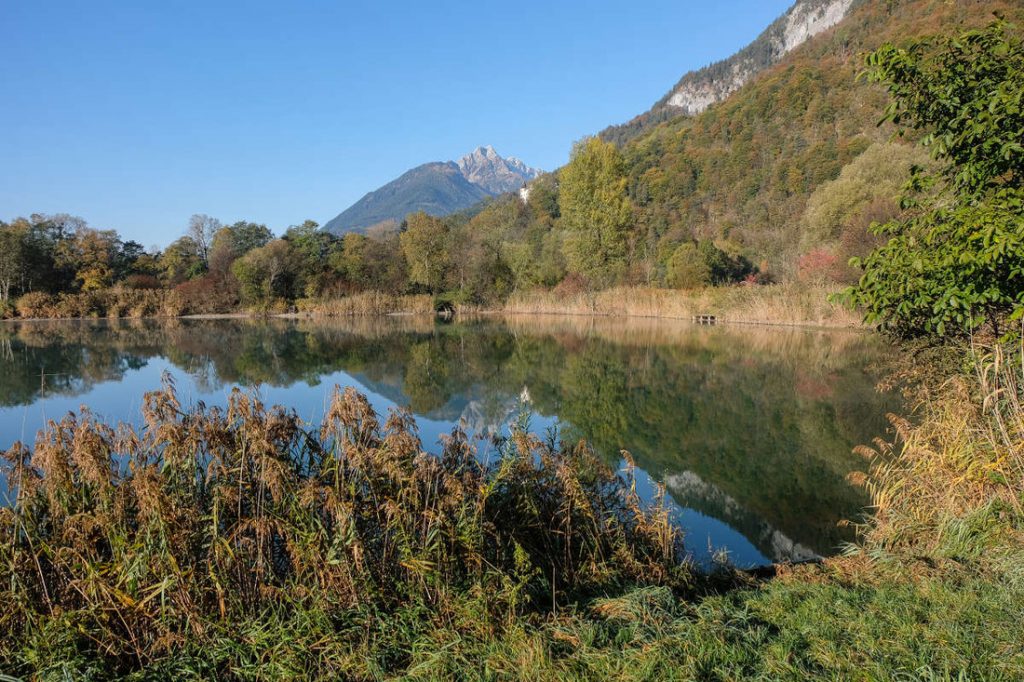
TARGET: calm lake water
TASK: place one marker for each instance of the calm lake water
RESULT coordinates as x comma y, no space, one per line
750,429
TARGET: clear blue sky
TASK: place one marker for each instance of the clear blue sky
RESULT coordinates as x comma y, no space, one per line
135,115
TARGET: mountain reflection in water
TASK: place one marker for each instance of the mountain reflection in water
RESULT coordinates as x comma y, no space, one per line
750,429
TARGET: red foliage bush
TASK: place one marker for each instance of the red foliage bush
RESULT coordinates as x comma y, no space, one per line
819,265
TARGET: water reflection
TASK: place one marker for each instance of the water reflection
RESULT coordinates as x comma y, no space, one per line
750,429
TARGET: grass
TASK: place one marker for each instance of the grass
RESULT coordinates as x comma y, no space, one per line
783,304
366,303
199,550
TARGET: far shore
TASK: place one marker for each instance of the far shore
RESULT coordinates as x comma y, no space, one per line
788,305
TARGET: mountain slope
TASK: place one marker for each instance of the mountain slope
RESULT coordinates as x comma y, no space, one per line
697,90
437,188
742,172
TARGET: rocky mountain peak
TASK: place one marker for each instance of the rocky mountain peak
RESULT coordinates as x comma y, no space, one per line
488,169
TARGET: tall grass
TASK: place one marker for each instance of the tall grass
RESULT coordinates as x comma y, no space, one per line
786,304
114,303
125,548
366,303
956,489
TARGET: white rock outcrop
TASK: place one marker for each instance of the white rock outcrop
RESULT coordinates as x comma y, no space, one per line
804,20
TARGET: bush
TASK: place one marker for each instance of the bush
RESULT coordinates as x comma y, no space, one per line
34,304
819,265
687,269
957,261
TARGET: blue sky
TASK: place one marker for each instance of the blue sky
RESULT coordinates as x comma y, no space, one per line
135,115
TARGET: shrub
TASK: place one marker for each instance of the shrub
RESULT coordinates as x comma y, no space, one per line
819,265
687,269
34,304
957,261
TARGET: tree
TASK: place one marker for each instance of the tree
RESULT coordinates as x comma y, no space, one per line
349,262
202,228
957,260
180,261
13,259
265,273
91,255
595,210
312,248
426,245
247,236
867,187
686,268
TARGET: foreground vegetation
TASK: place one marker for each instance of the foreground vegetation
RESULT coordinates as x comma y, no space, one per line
136,551
237,544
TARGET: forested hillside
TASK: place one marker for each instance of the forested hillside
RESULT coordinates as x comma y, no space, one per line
743,172
779,181
697,90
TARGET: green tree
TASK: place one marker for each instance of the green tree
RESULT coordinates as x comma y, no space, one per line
426,245
180,261
686,268
867,187
312,248
595,211
13,259
266,273
957,260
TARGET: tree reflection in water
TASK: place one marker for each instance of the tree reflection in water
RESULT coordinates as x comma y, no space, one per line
751,429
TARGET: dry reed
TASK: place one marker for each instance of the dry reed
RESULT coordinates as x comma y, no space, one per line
788,304
366,303
135,543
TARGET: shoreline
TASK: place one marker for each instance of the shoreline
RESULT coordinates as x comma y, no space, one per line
787,305
806,324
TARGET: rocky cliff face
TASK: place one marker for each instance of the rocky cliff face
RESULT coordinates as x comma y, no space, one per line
486,168
698,90
807,18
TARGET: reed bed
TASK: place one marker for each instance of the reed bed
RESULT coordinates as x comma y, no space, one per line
783,304
366,303
956,489
112,303
199,536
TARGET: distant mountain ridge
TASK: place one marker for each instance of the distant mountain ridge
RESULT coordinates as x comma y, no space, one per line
439,188
697,90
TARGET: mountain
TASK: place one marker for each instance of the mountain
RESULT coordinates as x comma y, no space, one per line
484,167
798,135
438,188
788,169
697,90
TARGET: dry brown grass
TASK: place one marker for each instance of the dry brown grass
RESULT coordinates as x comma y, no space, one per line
136,543
784,304
952,482
366,303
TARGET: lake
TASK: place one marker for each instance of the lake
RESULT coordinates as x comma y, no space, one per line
749,428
